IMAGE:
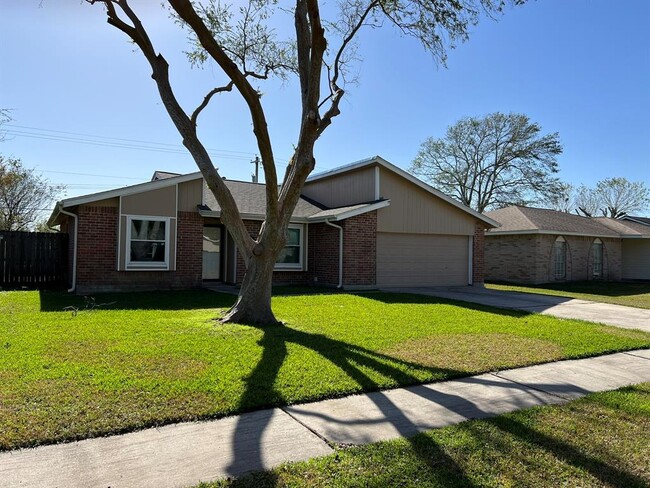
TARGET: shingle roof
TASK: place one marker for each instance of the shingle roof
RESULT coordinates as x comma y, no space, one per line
522,220
640,220
251,199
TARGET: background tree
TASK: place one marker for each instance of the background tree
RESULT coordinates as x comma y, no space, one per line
243,46
612,197
563,200
493,161
24,195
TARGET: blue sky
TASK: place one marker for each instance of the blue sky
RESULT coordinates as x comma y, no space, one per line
580,68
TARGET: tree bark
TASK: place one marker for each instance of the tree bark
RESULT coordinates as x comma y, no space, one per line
253,305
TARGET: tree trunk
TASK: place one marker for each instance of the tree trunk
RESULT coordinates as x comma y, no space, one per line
253,306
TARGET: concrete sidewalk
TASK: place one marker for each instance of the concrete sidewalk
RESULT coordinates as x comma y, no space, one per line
561,307
182,455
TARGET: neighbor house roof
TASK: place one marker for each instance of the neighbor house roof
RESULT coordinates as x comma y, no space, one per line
638,220
527,220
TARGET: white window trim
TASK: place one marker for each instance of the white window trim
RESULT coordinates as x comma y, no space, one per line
144,266
299,266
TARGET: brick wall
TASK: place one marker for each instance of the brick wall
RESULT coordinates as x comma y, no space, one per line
530,258
360,250
323,254
97,255
359,254
478,254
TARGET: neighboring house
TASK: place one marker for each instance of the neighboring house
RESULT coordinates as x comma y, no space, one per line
363,225
535,246
637,220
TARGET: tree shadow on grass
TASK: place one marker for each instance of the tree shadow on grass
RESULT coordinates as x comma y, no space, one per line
605,473
402,298
154,300
247,443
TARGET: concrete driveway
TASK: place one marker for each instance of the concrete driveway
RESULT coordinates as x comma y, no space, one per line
562,307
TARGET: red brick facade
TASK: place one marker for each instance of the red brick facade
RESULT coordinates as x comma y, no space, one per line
478,254
322,265
97,254
360,250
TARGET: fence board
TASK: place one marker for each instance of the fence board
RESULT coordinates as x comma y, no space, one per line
33,259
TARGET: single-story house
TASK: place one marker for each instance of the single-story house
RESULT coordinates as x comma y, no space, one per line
364,225
535,245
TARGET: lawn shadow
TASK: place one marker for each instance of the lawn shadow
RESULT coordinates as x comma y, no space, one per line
402,298
605,473
352,359
142,300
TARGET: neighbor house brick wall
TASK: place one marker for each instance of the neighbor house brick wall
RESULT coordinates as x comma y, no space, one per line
478,254
529,258
97,254
511,258
360,250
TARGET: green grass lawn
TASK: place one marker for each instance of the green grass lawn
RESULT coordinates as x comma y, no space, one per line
141,359
599,440
630,294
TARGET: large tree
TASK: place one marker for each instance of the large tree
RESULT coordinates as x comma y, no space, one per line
612,197
243,45
492,161
24,195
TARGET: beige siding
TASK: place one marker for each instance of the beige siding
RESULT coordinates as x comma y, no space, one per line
159,203
344,189
414,210
636,259
422,260
109,202
190,195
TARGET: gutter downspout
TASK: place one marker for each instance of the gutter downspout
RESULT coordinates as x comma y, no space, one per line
340,285
74,251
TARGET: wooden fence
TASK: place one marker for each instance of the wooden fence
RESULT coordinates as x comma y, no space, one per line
33,259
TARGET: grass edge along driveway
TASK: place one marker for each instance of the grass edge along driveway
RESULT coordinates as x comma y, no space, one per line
72,369
595,441
629,294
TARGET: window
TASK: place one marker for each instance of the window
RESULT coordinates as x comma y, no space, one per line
559,249
597,258
147,242
290,256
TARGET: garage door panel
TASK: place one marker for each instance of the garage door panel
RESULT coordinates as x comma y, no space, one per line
422,260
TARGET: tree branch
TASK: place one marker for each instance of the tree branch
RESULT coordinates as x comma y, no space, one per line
206,100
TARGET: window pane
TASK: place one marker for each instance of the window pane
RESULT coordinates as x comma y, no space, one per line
289,255
148,252
151,230
293,237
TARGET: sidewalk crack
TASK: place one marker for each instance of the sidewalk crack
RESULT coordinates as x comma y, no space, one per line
530,387
330,444
631,353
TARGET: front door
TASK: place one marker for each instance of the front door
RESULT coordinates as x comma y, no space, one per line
211,253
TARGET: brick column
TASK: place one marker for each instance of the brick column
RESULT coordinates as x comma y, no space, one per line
478,254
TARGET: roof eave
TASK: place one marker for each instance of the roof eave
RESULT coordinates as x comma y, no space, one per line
351,213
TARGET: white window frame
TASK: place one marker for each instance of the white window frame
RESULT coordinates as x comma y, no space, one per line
140,265
561,240
597,274
301,251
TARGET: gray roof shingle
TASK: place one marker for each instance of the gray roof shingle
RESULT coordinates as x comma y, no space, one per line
526,219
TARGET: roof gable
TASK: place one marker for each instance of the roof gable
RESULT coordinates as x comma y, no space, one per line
379,161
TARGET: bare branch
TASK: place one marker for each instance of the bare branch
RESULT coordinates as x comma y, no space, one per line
207,98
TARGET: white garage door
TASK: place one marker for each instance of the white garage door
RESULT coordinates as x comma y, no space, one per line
422,260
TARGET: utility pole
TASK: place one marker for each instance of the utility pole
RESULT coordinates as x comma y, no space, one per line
256,176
